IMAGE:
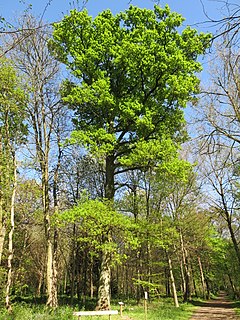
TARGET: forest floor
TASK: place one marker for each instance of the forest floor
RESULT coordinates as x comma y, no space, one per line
218,309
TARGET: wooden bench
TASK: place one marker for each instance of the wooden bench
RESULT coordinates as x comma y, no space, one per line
79,314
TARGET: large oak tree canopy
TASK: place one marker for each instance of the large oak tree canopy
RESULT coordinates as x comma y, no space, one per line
134,73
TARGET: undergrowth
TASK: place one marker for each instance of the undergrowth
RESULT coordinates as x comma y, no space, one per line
157,310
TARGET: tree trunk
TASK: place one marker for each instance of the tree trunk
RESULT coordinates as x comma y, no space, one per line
187,292
109,181
229,223
40,283
50,277
104,283
173,285
2,219
10,238
233,237
204,289
73,258
91,279
2,230
182,277
105,272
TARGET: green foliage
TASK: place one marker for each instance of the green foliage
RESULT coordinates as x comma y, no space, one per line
134,72
12,128
97,221
12,103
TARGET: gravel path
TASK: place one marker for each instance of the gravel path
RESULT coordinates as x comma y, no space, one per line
218,309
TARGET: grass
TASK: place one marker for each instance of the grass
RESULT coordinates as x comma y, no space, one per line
158,310
236,306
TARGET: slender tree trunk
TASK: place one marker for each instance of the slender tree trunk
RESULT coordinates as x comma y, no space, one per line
40,283
2,219
204,289
167,283
73,258
182,277
229,223
234,240
232,285
10,238
2,229
173,285
91,279
139,267
187,276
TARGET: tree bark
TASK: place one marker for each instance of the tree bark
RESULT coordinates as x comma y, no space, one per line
2,229
173,285
10,238
2,219
187,292
204,289
105,272
104,283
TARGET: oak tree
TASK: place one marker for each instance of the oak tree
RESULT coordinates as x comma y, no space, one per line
133,75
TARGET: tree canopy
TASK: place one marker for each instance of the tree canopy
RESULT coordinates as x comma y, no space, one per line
133,74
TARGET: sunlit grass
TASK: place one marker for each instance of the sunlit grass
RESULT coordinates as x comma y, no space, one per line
161,310
158,310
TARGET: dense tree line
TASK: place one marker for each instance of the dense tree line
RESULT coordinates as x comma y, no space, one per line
98,198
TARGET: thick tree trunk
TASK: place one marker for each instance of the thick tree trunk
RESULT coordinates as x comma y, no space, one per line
52,299
104,283
109,181
105,272
51,265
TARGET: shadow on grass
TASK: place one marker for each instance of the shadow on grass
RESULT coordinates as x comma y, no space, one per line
88,304
223,301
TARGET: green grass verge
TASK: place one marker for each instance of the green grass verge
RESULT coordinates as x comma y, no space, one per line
160,310
236,306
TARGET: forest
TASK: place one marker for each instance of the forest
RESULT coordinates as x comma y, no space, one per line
108,193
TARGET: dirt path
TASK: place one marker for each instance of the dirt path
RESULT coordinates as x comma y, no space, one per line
218,309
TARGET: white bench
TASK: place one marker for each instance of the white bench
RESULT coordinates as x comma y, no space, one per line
79,314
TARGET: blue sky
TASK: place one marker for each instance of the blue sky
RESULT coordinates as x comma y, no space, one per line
192,10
